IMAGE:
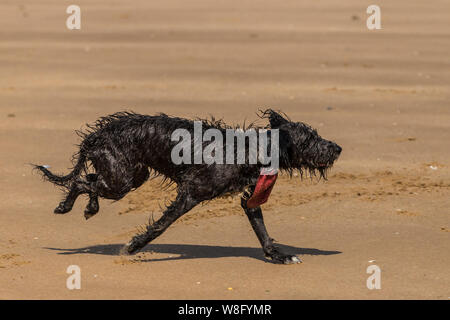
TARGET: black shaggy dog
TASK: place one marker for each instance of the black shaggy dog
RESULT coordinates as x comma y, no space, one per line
122,151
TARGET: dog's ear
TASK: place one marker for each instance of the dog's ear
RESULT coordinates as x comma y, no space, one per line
276,119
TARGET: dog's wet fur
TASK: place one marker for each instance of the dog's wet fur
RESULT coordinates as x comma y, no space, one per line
118,153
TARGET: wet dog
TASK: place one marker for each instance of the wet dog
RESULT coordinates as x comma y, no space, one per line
120,152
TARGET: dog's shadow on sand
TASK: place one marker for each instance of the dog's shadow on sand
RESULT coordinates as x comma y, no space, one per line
191,251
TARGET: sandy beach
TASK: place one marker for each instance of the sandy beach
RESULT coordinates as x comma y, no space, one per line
383,95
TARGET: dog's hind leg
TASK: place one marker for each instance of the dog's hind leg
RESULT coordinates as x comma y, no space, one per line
79,186
182,204
270,250
67,204
92,207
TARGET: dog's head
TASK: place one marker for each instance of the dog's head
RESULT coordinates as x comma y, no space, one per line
301,147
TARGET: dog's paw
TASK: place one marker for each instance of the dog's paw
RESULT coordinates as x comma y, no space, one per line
283,258
61,209
292,260
124,251
89,212
92,208
130,248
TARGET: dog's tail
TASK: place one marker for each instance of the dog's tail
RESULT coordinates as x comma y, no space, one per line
63,181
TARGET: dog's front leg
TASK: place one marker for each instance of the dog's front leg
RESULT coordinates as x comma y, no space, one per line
270,250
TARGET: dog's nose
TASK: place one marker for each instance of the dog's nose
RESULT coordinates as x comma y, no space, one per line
338,148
